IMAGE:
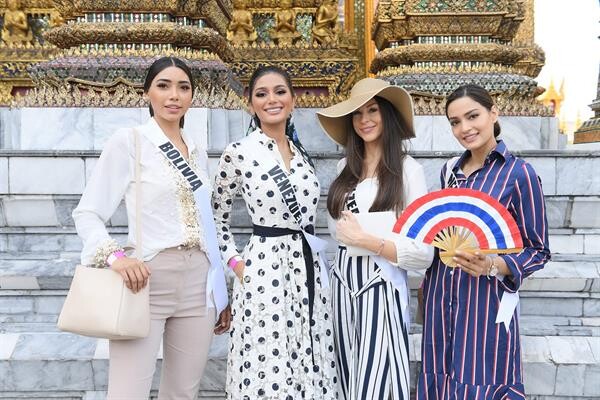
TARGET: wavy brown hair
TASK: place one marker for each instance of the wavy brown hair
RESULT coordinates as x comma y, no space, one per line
390,195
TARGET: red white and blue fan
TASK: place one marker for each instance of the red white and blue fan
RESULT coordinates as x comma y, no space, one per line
460,219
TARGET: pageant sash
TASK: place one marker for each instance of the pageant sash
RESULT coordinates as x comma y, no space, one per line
285,188
217,286
508,304
397,276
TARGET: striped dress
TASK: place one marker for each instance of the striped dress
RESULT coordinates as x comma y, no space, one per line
465,354
371,327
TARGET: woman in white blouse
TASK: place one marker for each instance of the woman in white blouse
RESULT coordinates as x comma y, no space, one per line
369,291
187,285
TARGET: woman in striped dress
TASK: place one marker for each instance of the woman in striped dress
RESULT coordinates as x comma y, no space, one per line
466,354
369,292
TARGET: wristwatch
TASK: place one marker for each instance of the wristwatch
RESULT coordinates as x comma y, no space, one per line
493,270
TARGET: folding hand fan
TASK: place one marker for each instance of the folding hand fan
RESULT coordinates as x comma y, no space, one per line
460,219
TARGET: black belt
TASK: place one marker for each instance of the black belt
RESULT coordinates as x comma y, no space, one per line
270,231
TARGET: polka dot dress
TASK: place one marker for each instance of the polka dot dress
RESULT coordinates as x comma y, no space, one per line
277,351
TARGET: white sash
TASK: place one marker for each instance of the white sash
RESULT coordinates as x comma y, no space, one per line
397,276
509,301
288,195
216,285
508,304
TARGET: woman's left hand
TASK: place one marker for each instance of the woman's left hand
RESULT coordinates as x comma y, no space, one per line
475,264
224,321
348,230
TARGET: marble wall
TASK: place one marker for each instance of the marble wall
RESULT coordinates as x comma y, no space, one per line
88,128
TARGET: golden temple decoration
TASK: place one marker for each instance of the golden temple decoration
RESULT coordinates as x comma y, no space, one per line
284,32
71,35
120,95
553,98
320,74
107,47
525,33
21,43
589,131
369,48
15,28
5,93
56,19
240,30
434,47
325,27
302,37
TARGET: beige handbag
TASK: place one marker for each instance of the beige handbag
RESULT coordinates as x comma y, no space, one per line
98,303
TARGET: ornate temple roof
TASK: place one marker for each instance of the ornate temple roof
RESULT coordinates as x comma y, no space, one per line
430,48
106,47
589,131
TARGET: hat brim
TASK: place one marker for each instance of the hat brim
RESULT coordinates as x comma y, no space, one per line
333,119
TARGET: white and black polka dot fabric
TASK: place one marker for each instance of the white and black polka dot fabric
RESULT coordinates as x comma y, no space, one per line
276,351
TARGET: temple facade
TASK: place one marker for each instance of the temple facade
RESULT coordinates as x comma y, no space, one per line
71,74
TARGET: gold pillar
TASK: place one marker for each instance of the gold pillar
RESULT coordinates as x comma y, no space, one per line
369,44
349,15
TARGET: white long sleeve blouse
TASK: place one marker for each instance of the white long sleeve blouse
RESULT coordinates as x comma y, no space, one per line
410,253
168,212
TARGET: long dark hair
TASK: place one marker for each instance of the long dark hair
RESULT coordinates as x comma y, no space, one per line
475,93
390,195
290,128
157,67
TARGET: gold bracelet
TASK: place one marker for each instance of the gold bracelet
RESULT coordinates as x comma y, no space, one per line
381,246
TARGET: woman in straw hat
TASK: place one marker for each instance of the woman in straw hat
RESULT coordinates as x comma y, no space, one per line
369,292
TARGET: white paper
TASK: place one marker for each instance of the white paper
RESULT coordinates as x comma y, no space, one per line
378,224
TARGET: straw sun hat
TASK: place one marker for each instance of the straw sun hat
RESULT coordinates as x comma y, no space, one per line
333,119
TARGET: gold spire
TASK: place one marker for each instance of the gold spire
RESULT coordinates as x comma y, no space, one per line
553,98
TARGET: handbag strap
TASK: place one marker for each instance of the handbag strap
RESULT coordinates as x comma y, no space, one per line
138,200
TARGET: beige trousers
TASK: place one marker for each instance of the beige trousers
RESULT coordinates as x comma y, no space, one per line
181,318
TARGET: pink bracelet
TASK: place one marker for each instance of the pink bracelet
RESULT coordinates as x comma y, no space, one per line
233,261
114,256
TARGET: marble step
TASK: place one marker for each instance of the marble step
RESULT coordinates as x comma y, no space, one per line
62,365
64,239
532,325
542,313
568,273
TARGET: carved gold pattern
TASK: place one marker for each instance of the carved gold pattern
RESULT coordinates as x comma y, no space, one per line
447,68
72,35
509,104
284,32
216,13
326,71
435,46
5,93
17,55
325,27
120,95
410,26
240,30
490,52
15,28
525,34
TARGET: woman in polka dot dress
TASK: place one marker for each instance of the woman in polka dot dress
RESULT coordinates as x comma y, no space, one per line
282,336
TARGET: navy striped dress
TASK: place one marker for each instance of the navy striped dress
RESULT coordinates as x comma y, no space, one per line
465,354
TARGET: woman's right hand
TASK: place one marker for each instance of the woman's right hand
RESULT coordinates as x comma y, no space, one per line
238,270
134,272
